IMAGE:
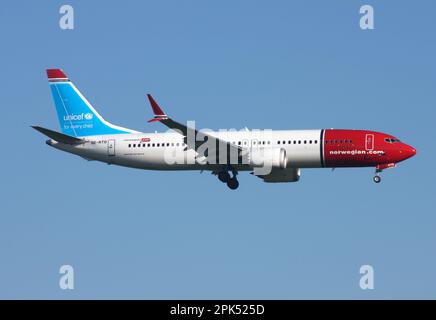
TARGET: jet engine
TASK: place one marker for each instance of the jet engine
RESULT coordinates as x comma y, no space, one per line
273,158
279,175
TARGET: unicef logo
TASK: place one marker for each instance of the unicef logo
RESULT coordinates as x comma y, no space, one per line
89,116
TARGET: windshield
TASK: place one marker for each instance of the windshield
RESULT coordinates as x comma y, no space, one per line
392,140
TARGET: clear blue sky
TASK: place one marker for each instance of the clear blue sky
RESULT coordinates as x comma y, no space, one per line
225,64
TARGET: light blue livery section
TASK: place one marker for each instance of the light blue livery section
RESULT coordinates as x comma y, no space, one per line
76,115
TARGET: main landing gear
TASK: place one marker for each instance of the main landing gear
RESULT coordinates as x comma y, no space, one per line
232,181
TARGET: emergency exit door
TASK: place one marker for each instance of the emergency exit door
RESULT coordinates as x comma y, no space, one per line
369,141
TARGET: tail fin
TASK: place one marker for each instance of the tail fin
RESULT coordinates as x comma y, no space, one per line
76,115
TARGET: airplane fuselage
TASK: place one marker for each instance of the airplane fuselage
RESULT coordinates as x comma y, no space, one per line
329,148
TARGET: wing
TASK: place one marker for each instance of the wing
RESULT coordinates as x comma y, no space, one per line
194,138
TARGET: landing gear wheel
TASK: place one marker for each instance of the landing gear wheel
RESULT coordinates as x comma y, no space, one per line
377,179
224,176
233,183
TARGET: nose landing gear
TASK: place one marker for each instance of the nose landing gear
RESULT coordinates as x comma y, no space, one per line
377,178
379,168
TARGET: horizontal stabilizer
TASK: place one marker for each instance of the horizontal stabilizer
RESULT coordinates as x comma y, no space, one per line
57,136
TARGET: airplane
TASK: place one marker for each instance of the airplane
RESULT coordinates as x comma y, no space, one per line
272,155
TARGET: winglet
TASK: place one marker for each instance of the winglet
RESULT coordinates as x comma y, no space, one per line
158,112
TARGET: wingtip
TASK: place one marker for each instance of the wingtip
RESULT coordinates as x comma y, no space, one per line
156,108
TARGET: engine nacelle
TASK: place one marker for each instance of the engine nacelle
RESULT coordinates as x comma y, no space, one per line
273,158
280,175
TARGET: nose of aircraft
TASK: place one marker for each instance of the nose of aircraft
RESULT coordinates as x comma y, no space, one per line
408,151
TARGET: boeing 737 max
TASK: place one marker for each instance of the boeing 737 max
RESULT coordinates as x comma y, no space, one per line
272,155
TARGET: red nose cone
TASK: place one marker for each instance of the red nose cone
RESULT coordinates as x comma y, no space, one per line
409,151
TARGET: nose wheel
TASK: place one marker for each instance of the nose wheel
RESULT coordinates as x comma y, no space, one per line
377,178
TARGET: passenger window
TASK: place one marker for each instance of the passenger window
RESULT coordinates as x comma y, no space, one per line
299,141
239,143
148,145
130,145
305,141
177,144
278,142
315,142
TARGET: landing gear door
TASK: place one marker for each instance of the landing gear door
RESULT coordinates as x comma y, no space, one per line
369,141
111,147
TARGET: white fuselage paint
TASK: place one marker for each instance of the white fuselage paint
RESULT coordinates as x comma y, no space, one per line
114,149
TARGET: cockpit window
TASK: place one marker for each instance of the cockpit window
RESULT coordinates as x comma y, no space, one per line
392,140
